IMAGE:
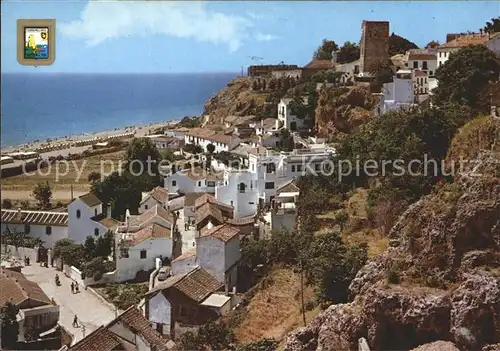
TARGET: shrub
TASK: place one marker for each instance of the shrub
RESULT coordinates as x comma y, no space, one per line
392,274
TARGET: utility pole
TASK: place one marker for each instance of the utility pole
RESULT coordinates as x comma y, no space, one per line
302,290
72,198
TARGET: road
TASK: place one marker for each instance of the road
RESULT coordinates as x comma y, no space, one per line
91,311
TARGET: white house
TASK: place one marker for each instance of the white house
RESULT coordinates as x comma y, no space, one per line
246,189
420,82
157,196
205,136
349,70
398,93
48,226
425,62
464,40
86,217
141,239
178,133
265,125
287,118
191,180
162,141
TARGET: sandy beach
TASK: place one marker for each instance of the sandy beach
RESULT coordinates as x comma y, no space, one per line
138,130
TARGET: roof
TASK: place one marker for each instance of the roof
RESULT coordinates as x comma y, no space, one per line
224,232
267,123
466,40
209,134
154,231
196,173
319,64
189,198
103,339
159,193
16,288
90,200
216,300
207,210
197,284
422,57
109,223
241,220
419,73
288,187
208,198
156,211
188,254
35,217
258,150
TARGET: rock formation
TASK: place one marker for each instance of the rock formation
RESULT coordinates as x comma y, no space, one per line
438,282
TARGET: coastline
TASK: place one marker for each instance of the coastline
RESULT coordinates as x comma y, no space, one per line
139,130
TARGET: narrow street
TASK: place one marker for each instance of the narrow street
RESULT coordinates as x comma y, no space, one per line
91,311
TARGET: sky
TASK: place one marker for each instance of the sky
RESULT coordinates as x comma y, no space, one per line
176,37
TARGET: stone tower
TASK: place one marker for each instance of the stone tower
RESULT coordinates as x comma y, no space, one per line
374,44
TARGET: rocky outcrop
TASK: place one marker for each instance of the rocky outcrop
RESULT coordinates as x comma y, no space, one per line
340,110
439,280
437,346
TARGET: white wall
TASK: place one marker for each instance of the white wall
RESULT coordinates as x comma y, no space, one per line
185,265
210,252
175,134
127,268
285,116
431,66
160,310
245,203
148,204
80,228
443,55
219,146
296,73
184,184
400,90
39,231
494,44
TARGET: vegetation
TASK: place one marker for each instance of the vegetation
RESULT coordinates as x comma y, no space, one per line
22,240
125,295
213,336
465,75
324,51
348,52
42,192
193,149
260,345
399,45
9,327
492,26
211,148
7,204
189,122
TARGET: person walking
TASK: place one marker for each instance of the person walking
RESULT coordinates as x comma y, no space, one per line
75,322
77,289
72,288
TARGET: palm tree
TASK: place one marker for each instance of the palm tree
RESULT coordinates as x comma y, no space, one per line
382,73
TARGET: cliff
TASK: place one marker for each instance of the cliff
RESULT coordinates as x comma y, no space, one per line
340,110
438,283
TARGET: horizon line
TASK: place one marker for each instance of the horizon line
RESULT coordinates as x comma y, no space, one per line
136,73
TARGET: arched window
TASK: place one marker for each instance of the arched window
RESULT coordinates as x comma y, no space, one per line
241,187
96,232
78,214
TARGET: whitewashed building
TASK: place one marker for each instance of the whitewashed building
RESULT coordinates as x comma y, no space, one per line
86,217
162,141
48,226
157,196
288,119
464,40
349,70
141,239
204,136
292,73
398,93
193,180
420,82
426,62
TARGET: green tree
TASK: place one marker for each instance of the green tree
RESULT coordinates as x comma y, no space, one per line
492,26
167,154
94,177
43,193
211,148
341,218
142,160
465,75
399,45
104,245
193,148
7,204
9,327
324,51
71,254
382,73
348,52
259,345
90,247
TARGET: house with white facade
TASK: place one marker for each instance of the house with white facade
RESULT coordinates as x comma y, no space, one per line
192,180
128,331
205,136
199,289
210,212
291,73
178,133
287,117
162,141
423,61
141,239
349,70
157,196
420,82
86,217
398,93
492,41
257,185
48,226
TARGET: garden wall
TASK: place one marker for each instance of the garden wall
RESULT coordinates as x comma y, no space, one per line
22,252
73,273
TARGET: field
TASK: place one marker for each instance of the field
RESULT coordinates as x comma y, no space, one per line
61,177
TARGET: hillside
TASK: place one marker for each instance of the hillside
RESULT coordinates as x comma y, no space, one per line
439,279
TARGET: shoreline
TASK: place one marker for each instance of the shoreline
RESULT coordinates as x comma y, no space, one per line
139,130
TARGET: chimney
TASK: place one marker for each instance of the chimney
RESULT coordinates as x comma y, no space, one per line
494,112
108,211
127,216
19,214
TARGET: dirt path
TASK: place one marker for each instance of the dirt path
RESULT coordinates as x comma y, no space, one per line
57,195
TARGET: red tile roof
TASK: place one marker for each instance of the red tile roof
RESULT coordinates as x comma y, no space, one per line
16,288
153,231
466,40
156,211
422,57
35,217
208,198
160,194
207,210
319,64
100,339
224,232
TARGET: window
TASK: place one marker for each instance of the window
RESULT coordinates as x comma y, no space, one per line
143,254
299,168
145,207
316,167
424,64
174,183
27,228
253,167
241,187
96,232
251,203
415,64
356,69
293,168
95,212
124,252
440,54
48,230
199,183
431,73
78,214
270,168
211,184
269,185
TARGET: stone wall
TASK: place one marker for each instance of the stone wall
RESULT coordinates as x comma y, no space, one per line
374,44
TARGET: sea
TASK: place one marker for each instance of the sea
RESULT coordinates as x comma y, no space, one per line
48,105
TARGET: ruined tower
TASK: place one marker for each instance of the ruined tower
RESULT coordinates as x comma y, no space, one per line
374,44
